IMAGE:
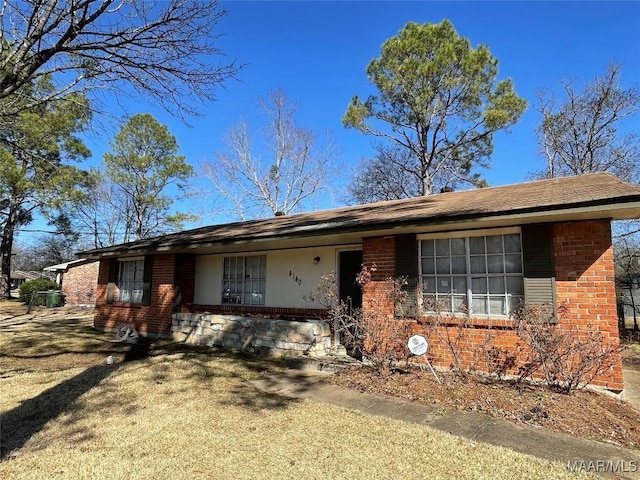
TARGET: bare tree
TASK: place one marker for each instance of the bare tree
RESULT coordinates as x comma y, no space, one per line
627,263
393,173
581,135
291,171
162,49
102,216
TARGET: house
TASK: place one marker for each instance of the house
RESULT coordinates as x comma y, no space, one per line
480,251
78,280
18,277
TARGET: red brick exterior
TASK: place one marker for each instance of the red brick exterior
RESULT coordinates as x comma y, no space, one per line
79,284
585,284
156,317
584,275
378,256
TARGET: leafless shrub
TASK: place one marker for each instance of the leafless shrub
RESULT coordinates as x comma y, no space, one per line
447,329
367,332
567,358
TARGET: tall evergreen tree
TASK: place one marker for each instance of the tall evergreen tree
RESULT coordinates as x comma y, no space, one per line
36,148
131,198
438,98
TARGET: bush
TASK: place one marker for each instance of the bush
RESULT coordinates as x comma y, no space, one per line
378,337
36,285
568,358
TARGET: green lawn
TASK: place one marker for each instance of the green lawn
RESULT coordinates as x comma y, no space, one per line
184,413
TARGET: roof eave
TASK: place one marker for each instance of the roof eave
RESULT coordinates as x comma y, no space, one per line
590,210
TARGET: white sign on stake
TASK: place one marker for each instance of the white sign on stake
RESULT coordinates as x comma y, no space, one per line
418,345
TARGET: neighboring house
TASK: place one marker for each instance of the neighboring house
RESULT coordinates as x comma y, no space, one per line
18,277
480,251
78,280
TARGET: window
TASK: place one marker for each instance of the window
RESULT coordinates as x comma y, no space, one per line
130,281
479,275
244,280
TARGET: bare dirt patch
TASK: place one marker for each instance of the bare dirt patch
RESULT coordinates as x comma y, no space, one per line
582,413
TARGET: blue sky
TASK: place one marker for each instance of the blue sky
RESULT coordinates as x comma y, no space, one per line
318,52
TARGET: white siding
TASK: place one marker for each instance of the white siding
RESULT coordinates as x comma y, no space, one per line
291,275
208,289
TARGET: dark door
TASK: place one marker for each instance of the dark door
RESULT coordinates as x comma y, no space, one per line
350,265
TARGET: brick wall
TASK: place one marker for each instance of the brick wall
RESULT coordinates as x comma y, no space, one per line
585,285
154,318
79,284
379,253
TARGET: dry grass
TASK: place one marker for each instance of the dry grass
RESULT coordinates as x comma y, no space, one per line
184,413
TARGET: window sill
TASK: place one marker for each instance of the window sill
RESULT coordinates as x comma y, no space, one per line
127,305
477,322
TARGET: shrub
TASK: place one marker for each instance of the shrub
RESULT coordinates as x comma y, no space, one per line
27,289
379,338
567,358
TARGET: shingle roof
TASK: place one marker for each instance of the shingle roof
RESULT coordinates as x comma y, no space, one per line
63,267
591,190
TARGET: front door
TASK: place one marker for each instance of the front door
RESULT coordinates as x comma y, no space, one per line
350,264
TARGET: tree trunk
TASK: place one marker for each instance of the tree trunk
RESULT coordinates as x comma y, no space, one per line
6,246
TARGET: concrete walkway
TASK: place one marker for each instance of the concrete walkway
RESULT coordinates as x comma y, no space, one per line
474,426
631,374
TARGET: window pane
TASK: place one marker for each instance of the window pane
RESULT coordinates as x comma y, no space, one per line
244,280
263,266
458,265
429,284
460,284
494,244
442,265
427,248
459,303
490,267
496,285
136,296
479,305
515,285
130,281
514,302
479,285
442,247
428,266
478,265
512,243
443,284
513,263
457,246
476,245
497,306
495,264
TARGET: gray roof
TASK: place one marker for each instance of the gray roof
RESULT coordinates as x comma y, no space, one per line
605,195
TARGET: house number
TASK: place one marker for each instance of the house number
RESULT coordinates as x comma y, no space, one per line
295,278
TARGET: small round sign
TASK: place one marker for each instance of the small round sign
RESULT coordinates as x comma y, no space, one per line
418,344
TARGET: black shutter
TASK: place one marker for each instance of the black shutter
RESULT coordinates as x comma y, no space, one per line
146,280
539,276
407,266
112,279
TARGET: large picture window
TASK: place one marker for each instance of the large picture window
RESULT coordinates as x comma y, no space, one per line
478,275
244,280
130,281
